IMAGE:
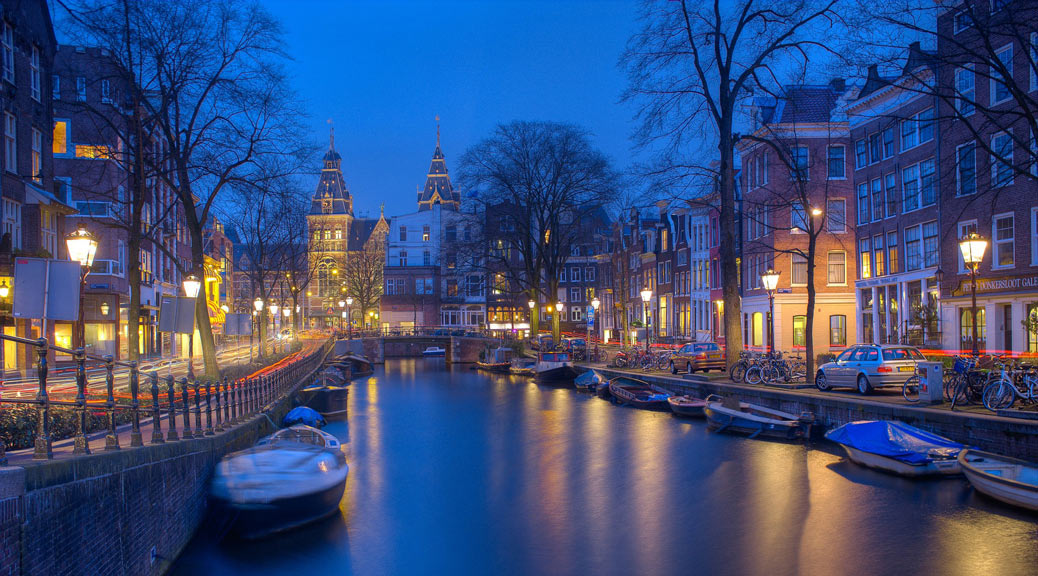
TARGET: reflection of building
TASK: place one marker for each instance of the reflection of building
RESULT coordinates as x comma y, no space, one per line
335,235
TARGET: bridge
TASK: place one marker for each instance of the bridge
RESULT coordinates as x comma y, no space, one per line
459,349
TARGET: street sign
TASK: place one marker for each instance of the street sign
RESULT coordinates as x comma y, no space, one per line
591,316
59,299
177,314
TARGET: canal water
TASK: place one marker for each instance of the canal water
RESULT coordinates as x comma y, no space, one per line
456,472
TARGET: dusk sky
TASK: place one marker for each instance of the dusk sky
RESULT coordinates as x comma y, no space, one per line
383,70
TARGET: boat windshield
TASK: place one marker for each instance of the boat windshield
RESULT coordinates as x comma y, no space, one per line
301,435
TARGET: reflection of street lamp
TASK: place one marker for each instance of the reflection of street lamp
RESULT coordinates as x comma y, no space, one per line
770,281
82,245
192,285
349,318
646,296
973,247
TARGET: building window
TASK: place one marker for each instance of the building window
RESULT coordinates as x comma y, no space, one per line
966,90
917,129
888,142
875,148
55,87
574,294
37,154
106,89
927,188
877,250
574,274
838,330
589,274
931,254
576,313
1000,90
877,199
892,252
93,152
910,187
913,248
837,162
863,203
474,285
966,328
80,88
865,249
1001,160
403,233
800,160
1004,245
799,331
861,155
426,258
425,233
966,169
798,218
13,222
10,143
890,183
401,259
8,46
837,215
799,275
965,229
837,267
452,288
60,141
34,73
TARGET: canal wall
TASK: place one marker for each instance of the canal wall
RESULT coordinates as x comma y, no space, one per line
128,512
1010,436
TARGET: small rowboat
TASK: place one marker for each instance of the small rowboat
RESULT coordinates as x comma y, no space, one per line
638,393
1009,480
687,405
499,360
897,448
499,367
731,415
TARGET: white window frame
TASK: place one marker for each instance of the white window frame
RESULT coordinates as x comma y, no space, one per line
996,243
830,222
12,219
829,159
106,89
37,155
965,99
34,73
10,143
793,261
994,81
7,42
828,267
81,89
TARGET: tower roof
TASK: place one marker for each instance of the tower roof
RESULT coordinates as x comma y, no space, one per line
332,196
438,189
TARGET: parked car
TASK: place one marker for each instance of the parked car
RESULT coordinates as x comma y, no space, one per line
697,356
869,366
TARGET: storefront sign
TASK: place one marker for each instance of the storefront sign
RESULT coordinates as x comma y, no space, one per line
989,285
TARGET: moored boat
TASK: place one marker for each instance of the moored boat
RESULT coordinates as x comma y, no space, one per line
522,367
498,360
589,381
897,448
434,351
687,405
730,415
353,365
1009,480
554,368
326,398
290,478
638,393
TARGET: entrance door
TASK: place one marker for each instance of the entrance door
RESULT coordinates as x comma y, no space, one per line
1007,327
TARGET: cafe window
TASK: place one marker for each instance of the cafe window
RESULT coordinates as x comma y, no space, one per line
1032,327
966,329
799,330
838,330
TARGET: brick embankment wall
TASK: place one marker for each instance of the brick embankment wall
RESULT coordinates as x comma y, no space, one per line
1010,436
122,513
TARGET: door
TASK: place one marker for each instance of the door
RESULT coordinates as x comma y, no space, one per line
1007,327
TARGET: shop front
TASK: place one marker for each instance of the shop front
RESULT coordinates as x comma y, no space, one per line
900,309
1007,315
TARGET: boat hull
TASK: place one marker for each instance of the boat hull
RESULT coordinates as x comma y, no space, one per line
689,408
555,376
1006,490
634,393
329,401
949,467
258,520
496,367
725,420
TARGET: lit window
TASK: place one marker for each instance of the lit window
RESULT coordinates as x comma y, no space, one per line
37,154
93,152
60,144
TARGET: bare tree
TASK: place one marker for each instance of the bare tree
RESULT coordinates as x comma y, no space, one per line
692,67
362,276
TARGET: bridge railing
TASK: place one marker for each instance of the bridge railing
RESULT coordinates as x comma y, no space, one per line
223,403
417,331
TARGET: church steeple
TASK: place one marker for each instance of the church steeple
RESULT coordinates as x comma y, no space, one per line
438,189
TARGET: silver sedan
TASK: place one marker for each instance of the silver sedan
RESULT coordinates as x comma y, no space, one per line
869,366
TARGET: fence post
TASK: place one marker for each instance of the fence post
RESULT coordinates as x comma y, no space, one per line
156,410
42,443
111,439
219,414
209,408
171,415
226,401
80,446
135,407
198,410
235,390
187,409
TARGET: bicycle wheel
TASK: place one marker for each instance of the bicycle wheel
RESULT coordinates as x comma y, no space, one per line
960,394
798,373
738,371
910,389
754,375
949,384
999,395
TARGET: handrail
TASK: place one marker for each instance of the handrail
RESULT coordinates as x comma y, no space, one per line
234,401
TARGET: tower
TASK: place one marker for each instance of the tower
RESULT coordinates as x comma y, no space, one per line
438,189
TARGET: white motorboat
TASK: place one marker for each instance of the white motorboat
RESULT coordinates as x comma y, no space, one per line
434,351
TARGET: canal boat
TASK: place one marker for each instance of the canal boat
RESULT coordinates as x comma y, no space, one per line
353,365
328,399
589,381
1009,480
293,477
522,367
554,368
898,448
498,360
730,415
687,405
637,393
434,351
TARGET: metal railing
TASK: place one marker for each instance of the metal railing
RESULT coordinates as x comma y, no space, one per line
224,403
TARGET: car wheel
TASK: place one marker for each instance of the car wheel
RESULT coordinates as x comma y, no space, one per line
863,385
688,368
673,368
821,383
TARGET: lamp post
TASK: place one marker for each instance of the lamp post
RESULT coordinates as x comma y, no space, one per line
770,281
273,307
973,247
257,304
595,303
349,318
646,296
191,287
556,336
82,245
342,304
531,304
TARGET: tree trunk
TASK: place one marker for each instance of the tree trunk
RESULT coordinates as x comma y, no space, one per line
205,329
729,263
809,338
535,314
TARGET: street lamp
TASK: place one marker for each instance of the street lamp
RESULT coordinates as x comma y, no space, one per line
349,318
5,290
770,281
595,303
192,285
104,309
82,245
973,247
646,296
342,304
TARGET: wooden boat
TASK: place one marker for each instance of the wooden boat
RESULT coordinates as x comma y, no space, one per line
898,448
1009,480
327,399
637,393
498,360
434,351
288,479
554,368
730,415
687,405
353,365
602,391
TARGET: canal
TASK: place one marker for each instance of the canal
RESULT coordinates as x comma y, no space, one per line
456,472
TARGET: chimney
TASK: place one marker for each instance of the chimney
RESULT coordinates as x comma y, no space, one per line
838,85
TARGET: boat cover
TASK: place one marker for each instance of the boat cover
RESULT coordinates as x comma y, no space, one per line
588,378
895,440
303,415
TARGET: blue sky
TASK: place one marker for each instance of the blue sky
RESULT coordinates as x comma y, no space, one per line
382,70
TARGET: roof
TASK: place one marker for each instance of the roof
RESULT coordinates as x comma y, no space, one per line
331,196
438,189
805,104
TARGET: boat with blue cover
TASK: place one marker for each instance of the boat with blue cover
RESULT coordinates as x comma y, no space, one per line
898,448
589,381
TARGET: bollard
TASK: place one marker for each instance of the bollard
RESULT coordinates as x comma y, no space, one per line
235,398
156,411
135,407
171,415
81,446
208,408
226,401
219,414
42,444
187,410
198,410
112,438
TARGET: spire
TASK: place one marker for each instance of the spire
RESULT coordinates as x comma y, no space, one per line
331,135
437,130
438,189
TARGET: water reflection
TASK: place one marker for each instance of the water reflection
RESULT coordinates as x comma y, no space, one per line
456,472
